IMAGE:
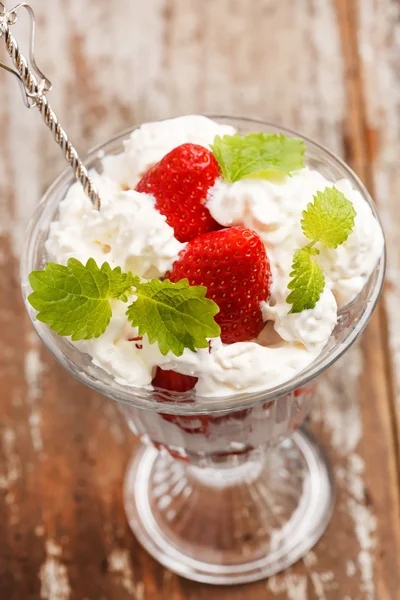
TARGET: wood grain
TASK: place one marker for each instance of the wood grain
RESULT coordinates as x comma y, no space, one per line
328,68
379,42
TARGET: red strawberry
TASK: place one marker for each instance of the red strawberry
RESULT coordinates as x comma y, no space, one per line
173,381
177,382
180,183
234,267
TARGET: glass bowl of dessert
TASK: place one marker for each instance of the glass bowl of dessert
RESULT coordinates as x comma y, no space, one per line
230,263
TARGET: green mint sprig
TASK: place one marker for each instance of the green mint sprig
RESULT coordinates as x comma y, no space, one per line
328,220
74,300
257,155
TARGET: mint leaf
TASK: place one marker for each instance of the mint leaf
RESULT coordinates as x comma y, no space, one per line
176,315
74,299
258,155
329,219
307,282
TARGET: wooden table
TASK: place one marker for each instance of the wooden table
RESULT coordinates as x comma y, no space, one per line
327,68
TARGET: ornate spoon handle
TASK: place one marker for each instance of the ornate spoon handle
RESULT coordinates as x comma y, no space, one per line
34,86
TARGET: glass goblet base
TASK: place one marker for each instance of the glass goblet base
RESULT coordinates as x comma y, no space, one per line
235,524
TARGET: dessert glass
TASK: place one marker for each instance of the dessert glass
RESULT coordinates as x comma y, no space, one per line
221,490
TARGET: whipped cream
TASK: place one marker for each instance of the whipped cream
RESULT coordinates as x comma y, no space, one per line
222,370
152,141
274,210
311,327
116,353
241,367
349,266
129,232
271,208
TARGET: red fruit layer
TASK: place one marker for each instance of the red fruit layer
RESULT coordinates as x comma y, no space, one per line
177,382
177,456
173,381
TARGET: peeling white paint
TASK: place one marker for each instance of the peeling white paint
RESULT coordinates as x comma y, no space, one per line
351,568
295,586
341,414
139,591
215,75
119,563
321,581
9,498
364,524
365,527
34,369
310,559
24,159
318,586
339,410
140,53
328,578
355,482
35,421
12,463
53,575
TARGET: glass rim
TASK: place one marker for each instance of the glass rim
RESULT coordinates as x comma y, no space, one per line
207,404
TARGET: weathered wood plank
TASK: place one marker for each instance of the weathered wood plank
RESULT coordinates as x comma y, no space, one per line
379,44
376,391
64,449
